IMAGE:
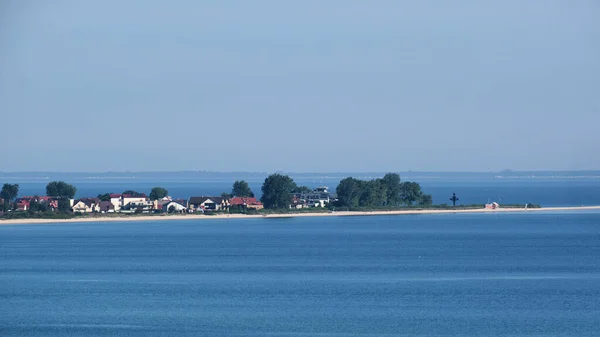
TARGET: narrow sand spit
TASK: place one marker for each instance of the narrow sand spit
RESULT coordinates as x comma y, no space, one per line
242,216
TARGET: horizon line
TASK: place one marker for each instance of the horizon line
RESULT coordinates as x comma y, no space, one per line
306,172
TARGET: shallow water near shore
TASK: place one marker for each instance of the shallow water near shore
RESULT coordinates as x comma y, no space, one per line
511,274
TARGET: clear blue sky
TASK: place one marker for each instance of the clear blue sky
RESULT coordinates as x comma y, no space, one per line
265,85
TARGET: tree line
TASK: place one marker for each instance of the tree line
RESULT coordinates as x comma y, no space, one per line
8,194
278,191
58,190
381,192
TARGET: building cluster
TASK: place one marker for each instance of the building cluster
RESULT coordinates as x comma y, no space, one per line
123,203
141,203
319,197
25,203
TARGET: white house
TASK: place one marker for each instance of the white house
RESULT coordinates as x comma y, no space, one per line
115,199
319,197
86,205
176,207
493,205
127,201
207,203
158,204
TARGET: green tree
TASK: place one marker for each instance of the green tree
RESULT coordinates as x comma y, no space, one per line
133,193
8,194
349,192
64,205
36,206
386,191
60,189
241,189
226,195
104,197
373,193
302,189
277,191
426,200
410,192
393,188
158,193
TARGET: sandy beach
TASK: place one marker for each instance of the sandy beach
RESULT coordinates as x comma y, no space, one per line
242,216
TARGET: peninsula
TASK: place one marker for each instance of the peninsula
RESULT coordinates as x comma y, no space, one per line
169,217
281,197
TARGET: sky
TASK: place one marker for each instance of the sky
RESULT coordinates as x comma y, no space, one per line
299,86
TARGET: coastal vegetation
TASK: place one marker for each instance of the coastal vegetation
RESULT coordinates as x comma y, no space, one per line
158,193
280,195
8,194
104,197
241,189
63,192
277,191
60,189
133,193
302,189
38,215
381,192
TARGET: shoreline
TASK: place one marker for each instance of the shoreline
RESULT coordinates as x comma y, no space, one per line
284,215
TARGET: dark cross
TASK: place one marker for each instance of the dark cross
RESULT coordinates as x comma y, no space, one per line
454,199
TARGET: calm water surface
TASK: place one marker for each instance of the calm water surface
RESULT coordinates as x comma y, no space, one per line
423,275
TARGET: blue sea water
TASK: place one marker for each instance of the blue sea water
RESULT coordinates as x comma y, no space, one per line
546,192
506,274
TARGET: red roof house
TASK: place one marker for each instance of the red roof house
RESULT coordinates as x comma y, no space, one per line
23,205
246,202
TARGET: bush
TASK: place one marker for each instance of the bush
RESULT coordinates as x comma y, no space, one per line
37,215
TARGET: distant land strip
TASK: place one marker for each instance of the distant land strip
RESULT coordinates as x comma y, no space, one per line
169,217
506,174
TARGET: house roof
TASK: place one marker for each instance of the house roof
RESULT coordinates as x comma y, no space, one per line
115,195
244,201
162,202
172,202
182,202
88,201
143,195
38,198
106,205
200,200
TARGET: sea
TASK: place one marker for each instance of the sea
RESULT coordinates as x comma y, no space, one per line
487,274
490,274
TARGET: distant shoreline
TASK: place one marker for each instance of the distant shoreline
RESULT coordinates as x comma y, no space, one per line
282,215
257,176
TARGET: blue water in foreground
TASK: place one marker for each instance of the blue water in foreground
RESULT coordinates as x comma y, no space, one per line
532,274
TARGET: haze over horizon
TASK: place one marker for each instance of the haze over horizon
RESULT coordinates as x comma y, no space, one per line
264,86
242,174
